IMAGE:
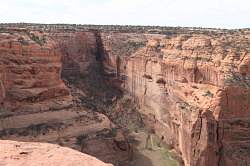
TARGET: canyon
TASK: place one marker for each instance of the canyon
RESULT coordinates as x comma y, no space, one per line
73,85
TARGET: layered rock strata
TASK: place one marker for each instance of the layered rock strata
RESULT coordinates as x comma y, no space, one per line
37,106
78,51
31,73
196,87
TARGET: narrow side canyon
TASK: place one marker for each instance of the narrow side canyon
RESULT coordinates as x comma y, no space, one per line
69,86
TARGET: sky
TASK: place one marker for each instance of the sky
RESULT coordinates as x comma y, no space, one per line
188,13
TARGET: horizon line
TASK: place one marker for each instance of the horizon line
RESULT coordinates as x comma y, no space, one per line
124,25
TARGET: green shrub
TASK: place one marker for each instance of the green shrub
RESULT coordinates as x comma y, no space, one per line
208,93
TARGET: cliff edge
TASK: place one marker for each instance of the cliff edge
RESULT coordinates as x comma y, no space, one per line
37,154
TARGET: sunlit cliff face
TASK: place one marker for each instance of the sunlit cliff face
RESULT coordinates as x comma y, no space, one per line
195,85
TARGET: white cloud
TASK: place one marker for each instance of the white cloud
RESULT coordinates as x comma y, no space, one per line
206,13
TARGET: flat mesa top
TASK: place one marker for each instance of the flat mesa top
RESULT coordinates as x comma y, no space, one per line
120,28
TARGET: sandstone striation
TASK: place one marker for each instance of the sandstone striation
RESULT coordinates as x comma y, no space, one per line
36,104
38,154
196,86
192,85
78,51
31,73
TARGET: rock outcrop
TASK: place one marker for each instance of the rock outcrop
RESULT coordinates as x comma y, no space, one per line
38,154
30,77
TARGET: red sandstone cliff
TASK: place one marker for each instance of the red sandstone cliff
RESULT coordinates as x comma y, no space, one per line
78,50
37,106
30,77
197,86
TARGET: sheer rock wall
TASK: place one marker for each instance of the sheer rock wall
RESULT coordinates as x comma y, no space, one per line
36,104
30,79
195,86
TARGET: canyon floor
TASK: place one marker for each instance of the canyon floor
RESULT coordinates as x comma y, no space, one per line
158,156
